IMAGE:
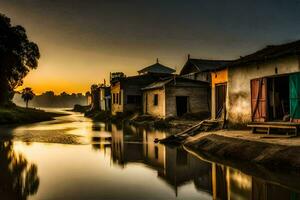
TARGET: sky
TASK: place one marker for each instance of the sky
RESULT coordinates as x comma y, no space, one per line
81,42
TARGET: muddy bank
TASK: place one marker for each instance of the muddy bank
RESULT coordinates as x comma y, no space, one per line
272,156
171,124
15,115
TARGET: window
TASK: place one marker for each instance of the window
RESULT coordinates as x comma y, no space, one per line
114,98
156,152
155,100
120,98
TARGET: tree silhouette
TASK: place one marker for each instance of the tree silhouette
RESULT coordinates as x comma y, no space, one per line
18,56
18,178
27,95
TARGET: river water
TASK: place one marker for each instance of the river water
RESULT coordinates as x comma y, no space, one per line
74,158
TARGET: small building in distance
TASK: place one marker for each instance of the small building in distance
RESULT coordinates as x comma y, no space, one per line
199,69
105,97
176,96
126,91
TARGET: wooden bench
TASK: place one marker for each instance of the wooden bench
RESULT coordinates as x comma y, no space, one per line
268,127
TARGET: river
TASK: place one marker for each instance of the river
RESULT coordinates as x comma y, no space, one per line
72,157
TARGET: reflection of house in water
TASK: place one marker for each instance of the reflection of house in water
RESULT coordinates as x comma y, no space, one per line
229,183
154,154
125,146
100,142
181,168
176,167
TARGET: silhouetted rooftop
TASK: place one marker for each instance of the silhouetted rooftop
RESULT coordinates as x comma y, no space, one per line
157,68
269,52
202,65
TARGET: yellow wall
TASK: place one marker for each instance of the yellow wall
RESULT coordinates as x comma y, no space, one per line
220,76
116,88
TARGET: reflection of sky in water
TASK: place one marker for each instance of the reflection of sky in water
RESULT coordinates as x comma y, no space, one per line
76,172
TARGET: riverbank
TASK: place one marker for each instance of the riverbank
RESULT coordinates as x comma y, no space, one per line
171,124
242,146
19,115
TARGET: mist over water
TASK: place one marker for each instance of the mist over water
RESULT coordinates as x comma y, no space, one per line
50,100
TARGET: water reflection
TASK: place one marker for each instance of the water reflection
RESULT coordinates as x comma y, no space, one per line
121,162
177,167
18,178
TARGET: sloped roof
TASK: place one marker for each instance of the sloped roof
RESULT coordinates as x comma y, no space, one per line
203,65
165,81
157,68
269,52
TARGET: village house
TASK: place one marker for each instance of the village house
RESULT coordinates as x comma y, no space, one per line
176,96
260,87
126,91
199,69
105,97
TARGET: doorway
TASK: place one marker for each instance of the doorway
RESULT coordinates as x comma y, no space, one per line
278,98
220,90
181,105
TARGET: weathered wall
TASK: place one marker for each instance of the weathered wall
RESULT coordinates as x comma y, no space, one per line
217,77
131,89
148,105
116,107
239,96
197,101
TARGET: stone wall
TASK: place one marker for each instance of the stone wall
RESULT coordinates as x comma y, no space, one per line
198,99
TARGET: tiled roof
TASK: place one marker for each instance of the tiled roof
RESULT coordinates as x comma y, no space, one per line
269,52
157,68
203,65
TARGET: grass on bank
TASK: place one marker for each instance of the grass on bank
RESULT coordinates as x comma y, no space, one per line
20,115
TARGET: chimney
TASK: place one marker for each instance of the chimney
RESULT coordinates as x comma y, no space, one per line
157,60
189,56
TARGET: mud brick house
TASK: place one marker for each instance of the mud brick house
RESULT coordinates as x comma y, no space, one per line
265,86
175,96
126,91
199,69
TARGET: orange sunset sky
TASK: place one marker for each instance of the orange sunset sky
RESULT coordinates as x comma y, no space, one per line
81,42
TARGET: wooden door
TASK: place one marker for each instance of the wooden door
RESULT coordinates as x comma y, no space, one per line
259,99
220,93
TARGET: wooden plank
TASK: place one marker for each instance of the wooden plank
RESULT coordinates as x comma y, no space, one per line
272,126
275,123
